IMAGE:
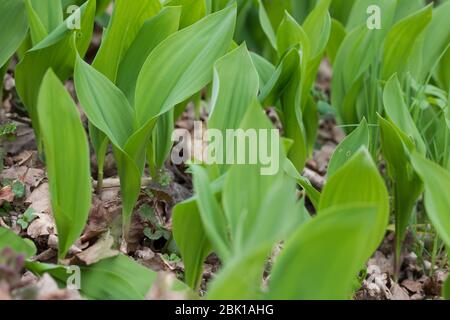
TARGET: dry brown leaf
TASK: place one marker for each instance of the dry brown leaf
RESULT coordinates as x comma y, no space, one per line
99,251
39,199
6,195
399,293
43,225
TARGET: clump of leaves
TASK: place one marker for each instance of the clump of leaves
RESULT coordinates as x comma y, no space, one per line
157,230
26,218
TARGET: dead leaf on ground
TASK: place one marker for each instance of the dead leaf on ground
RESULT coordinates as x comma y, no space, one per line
102,249
39,199
6,195
43,225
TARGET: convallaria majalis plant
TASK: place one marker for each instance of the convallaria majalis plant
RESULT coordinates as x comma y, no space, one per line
390,88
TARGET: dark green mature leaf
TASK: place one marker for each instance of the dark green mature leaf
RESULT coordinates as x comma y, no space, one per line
323,257
437,203
9,239
117,278
348,147
13,27
406,185
398,112
400,40
67,159
358,182
58,52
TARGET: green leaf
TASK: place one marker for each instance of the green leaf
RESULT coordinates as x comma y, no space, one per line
400,40
191,240
211,213
230,283
18,188
192,11
57,51
289,34
437,203
49,12
318,26
398,112
337,35
126,21
447,289
304,269
117,278
9,239
67,159
406,185
13,28
358,182
267,25
182,64
311,192
265,68
348,147
38,31
151,34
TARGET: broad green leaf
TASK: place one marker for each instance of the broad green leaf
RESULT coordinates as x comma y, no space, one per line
109,112
235,87
311,192
240,279
289,34
406,186
323,257
437,203
117,278
340,10
38,31
318,26
58,52
348,147
400,40
67,159
182,64
267,25
191,239
126,21
211,214
151,34
447,289
407,7
9,239
192,11
337,35
265,68
359,14
436,39
442,74
13,28
49,12
398,112
358,182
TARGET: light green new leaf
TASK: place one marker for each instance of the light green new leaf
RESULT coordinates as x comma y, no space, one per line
348,147
127,19
358,182
182,64
13,27
57,51
191,240
323,257
9,239
38,31
311,192
192,11
398,112
289,34
400,39
318,26
211,213
49,12
406,185
67,159
265,68
151,34
337,35
235,87
232,284
117,278
437,203
266,24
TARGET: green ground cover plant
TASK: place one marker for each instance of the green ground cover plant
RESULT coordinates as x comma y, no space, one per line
248,66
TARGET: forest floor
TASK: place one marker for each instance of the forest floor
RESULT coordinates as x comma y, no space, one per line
25,208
